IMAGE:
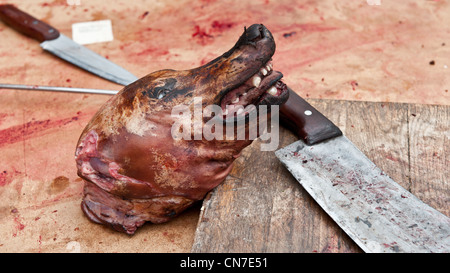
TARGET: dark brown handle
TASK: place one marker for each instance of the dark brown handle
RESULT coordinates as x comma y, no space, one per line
305,121
27,24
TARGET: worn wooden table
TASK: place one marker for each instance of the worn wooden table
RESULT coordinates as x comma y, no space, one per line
395,52
262,208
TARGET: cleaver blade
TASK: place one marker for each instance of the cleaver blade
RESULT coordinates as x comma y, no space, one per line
376,212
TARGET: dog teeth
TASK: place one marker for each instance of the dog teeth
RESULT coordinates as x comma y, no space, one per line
256,80
272,91
263,71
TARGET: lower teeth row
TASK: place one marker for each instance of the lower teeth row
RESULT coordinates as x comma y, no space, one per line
256,81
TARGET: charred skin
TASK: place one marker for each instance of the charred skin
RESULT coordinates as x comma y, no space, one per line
135,171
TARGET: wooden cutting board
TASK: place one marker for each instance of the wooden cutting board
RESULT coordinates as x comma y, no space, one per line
262,208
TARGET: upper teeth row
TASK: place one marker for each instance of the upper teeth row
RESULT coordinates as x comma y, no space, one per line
256,80
266,69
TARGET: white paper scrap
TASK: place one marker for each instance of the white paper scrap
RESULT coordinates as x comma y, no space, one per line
92,32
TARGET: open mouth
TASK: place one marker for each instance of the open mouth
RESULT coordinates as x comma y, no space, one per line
264,85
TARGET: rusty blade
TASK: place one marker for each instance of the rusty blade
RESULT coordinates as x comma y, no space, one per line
376,212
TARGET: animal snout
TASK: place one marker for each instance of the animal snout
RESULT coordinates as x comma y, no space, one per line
255,33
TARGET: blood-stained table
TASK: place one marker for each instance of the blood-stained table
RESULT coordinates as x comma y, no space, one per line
392,52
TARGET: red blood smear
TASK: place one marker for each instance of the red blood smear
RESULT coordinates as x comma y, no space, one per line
19,225
31,129
143,15
199,33
354,84
216,25
152,51
4,180
7,177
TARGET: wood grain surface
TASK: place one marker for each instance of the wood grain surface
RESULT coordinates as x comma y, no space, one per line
262,208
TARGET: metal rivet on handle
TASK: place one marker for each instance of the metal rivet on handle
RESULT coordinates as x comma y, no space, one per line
308,113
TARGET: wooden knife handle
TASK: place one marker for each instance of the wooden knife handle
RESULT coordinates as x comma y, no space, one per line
305,121
27,24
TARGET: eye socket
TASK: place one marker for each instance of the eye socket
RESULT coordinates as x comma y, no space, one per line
163,87
162,93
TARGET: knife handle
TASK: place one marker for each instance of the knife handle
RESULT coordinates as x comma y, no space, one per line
305,121
27,24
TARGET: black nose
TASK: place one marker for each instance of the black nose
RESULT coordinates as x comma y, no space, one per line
251,36
254,33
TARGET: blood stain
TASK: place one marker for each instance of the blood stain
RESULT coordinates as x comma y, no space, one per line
202,36
143,15
218,26
31,129
354,84
287,35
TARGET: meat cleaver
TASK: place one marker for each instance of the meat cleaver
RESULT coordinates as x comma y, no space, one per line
376,212
63,47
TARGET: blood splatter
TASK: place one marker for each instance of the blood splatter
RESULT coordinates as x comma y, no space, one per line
152,51
289,34
220,26
143,15
31,129
354,84
202,36
17,221
6,177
